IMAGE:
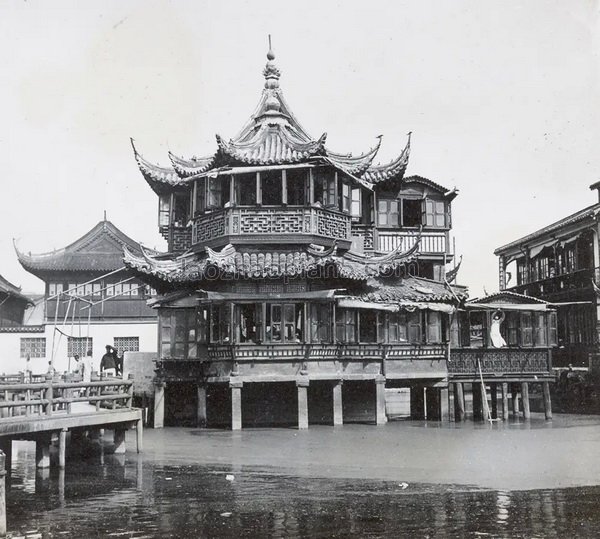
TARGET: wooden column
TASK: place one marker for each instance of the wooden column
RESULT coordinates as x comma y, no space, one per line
459,401
444,404
525,399
547,400
515,399
381,417
302,386
2,494
201,418
159,405
284,187
311,187
494,395
119,441
417,402
505,401
62,448
338,414
42,452
477,402
236,404
258,189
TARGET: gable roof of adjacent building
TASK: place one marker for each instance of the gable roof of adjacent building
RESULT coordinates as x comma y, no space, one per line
98,250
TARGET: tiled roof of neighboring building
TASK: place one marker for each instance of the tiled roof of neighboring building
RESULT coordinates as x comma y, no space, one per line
9,289
589,212
99,250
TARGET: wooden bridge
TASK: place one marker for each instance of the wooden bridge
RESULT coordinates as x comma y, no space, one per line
49,409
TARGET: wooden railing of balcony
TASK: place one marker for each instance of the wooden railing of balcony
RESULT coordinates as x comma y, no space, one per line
499,361
281,220
431,242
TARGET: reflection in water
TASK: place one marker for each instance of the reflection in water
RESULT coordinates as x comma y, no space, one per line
107,495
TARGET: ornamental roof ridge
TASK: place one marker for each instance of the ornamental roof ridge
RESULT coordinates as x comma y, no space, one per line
394,170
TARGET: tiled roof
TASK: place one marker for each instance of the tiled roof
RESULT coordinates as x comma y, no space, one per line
412,289
354,164
392,171
589,212
507,295
274,263
10,289
191,167
99,250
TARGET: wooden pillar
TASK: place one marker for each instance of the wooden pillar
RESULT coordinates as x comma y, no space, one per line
338,414
504,401
119,441
139,434
494,395
417,402
236,404
201,419
62,448
444,404
525,399
159,405
547,400
515,399
380,416
302,386
258,189
2,494
284,187
42,452
459,401
477,401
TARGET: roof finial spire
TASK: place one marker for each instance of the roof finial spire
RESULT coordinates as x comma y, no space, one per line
271,71
105,215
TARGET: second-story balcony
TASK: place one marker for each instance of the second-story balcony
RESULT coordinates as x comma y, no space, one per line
263,223
433,242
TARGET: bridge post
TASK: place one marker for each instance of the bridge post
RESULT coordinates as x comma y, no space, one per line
49,394
62,448
159,405
42,452
6,448
2,495
130,392
505,401
139,434
119,440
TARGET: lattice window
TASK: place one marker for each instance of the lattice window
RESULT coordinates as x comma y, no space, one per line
127,344
33,346
79,346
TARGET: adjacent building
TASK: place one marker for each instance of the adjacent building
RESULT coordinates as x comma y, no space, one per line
560,264
90,301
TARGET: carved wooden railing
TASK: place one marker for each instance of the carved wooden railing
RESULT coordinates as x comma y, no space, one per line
240,221
57,395
310,352
500,361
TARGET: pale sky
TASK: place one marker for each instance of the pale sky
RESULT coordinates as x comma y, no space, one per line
502,98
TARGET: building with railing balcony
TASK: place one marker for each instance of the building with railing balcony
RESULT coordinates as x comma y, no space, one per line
299,282
560,264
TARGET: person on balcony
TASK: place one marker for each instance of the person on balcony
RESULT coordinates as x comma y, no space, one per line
495,334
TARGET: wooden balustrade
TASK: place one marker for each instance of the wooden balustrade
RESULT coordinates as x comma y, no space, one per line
248,221
50,396
431,242
496,361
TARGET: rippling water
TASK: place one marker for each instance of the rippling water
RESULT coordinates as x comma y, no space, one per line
128,495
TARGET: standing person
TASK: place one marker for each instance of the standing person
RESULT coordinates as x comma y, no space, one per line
86,367
118,361
107,363
76,367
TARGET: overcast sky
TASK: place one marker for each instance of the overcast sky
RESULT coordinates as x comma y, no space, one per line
502,99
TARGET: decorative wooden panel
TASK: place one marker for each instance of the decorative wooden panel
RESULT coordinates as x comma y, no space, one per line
499,361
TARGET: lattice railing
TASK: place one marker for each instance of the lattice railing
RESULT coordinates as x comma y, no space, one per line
499,361
274,221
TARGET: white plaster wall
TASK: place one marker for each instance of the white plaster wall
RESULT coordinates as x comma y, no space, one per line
102,334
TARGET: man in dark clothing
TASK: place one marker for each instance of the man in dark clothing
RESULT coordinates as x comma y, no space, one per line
107,363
